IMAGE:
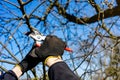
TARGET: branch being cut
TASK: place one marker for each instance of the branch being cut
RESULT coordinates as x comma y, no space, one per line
25,15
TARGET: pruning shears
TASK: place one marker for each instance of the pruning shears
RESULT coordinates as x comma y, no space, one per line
39,38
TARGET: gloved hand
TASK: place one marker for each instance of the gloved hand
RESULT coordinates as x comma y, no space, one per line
52,46
30,61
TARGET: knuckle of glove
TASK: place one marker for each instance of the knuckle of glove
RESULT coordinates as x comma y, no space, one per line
48,37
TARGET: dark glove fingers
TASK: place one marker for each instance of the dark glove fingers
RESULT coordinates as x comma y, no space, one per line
55,41
48,38
52,46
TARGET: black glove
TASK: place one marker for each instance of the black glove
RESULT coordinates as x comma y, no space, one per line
30,61
52,46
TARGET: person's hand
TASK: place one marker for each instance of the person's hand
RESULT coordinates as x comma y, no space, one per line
52,46
30,61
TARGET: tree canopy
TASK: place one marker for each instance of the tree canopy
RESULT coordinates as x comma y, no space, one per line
89,27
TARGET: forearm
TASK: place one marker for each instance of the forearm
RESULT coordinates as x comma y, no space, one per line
10,75
13,74
59,70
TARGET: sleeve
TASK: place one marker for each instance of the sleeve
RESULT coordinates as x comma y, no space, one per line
61,71
10,75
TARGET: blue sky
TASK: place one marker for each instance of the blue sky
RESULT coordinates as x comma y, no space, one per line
54,24
53,27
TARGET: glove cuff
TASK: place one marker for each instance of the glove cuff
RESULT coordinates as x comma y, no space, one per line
22,67
52,59
17,65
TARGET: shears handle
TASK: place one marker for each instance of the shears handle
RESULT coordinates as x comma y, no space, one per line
68,49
